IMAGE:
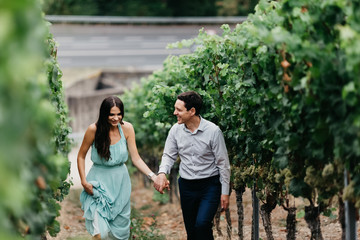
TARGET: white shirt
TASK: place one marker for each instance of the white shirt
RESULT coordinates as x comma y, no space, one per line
202,153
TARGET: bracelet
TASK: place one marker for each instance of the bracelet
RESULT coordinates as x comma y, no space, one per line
150,175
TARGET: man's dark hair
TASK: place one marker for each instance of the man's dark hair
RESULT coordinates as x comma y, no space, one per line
192,100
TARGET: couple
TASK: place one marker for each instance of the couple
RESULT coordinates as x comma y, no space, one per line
204,169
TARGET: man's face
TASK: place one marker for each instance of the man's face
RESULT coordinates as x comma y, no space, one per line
181,113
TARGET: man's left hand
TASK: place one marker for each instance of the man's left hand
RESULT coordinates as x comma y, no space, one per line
224,202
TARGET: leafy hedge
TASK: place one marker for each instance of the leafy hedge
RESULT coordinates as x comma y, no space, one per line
33,124
284,88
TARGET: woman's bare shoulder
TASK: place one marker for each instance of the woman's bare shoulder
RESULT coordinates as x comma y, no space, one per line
92,127
90,134
91,130
127,127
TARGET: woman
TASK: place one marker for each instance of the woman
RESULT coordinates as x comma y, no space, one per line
106,196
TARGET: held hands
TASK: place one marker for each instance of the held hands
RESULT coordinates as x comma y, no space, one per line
88,187
161,183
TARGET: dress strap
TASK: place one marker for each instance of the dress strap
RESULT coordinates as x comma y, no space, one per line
121,131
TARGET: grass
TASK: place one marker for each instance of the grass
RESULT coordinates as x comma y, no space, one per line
139,230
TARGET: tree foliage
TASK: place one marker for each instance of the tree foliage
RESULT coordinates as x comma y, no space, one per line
284,88
33,124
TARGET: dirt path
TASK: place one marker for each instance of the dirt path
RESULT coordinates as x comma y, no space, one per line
170,223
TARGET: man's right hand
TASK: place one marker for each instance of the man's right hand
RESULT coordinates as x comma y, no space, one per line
161,182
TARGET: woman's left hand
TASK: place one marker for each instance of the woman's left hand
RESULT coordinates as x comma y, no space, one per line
161,183
88,188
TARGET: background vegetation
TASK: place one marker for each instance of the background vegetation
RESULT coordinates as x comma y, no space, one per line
33,124
150,8
284,88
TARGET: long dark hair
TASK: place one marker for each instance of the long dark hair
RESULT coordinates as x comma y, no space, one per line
102,138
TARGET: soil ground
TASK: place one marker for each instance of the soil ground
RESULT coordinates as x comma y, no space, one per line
170,224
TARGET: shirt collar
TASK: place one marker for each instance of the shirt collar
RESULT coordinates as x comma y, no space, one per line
200,127
202,124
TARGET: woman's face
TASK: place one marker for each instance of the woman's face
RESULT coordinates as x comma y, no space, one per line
114,116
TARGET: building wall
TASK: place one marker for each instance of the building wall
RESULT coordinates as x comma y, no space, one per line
85,96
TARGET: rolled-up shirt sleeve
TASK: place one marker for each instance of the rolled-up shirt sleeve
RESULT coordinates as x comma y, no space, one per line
222,161
170,153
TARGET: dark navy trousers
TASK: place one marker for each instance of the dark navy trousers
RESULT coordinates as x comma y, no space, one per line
199,202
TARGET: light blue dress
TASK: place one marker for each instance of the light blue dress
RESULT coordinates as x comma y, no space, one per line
109,206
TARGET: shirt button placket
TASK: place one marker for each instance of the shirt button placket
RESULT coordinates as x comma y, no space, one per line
192,149
192,153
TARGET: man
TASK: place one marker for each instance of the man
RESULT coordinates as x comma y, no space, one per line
204,167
